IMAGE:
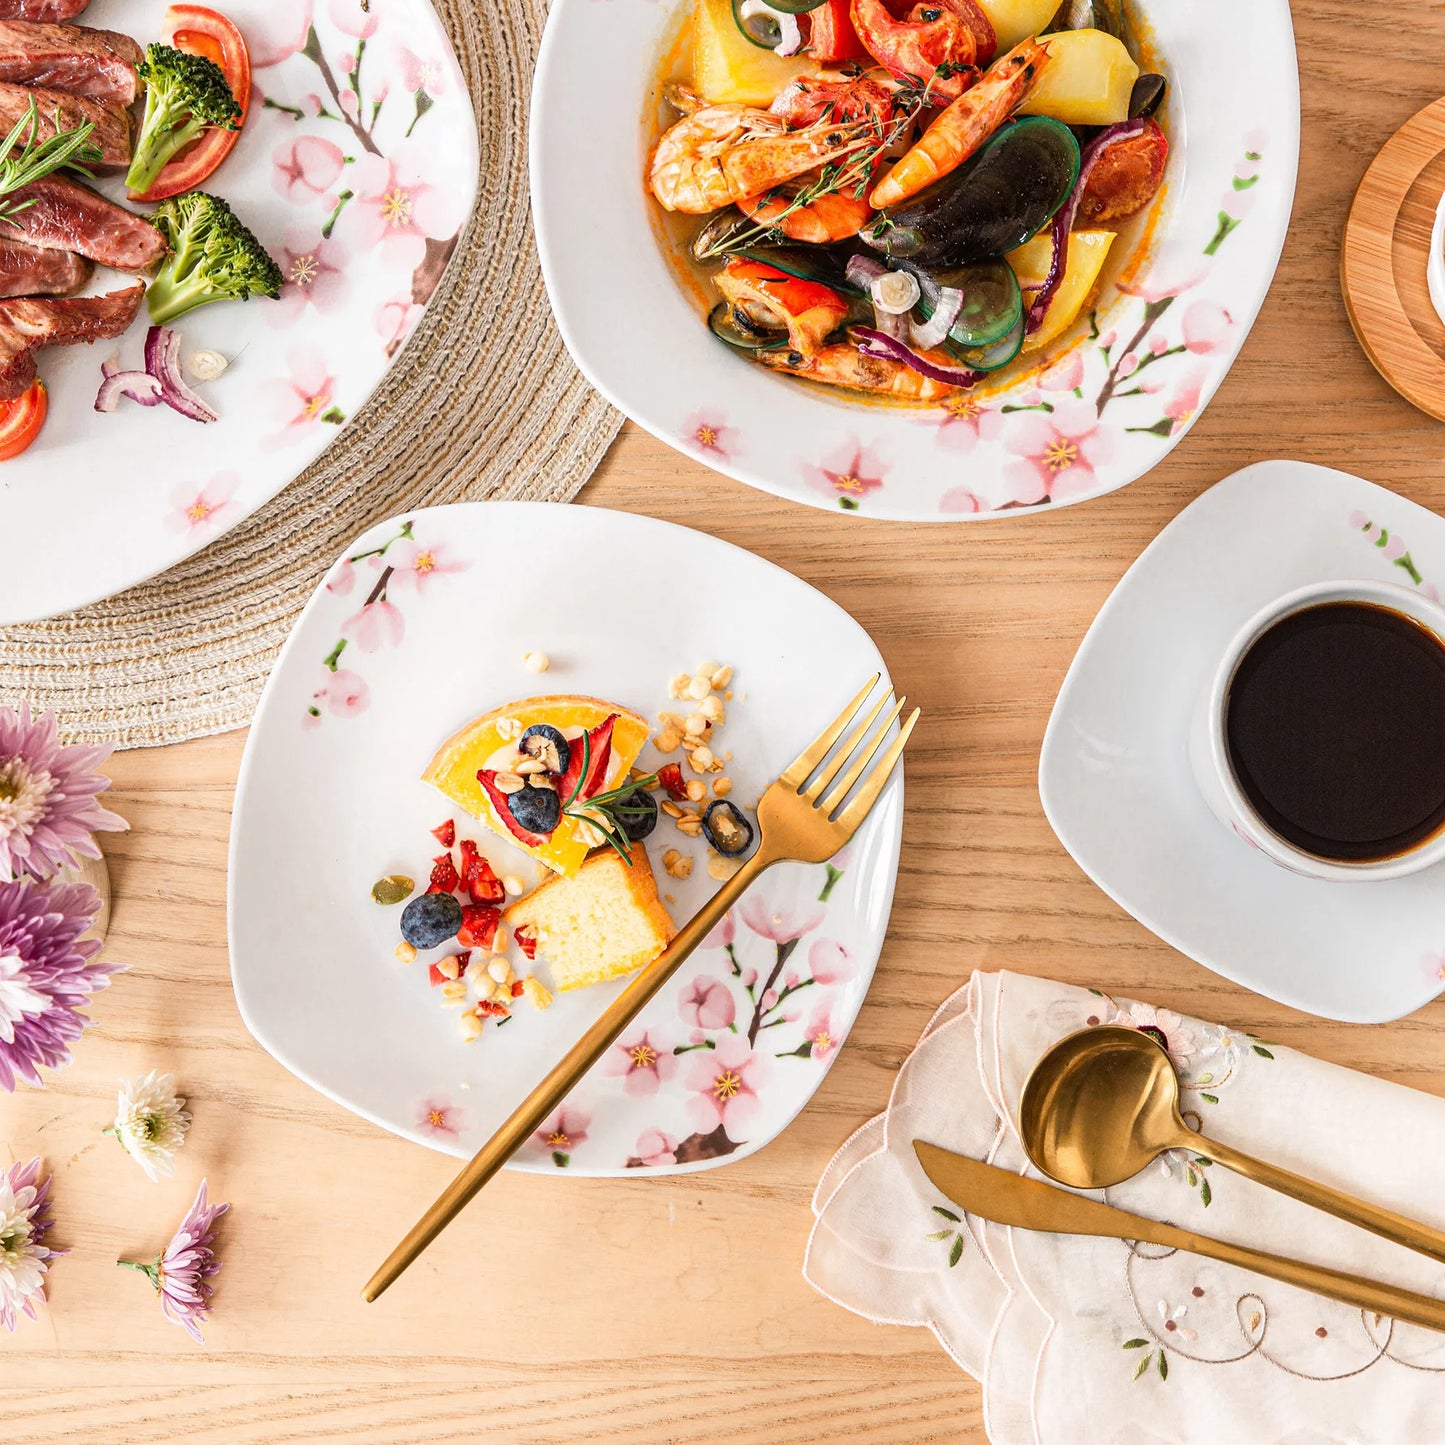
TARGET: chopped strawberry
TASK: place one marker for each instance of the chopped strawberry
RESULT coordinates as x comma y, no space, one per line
516,988
526,940
479,925
498,799
670,776
438,977
446,835
477,876
443,875
489,1009
599,757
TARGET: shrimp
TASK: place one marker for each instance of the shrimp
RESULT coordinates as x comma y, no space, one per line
769,297
726,153
844,365
965,125
805,101
939,43
832,217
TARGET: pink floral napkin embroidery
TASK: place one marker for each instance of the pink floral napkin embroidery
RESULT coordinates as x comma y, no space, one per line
1084,1340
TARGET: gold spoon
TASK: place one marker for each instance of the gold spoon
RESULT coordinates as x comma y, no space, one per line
1104,1102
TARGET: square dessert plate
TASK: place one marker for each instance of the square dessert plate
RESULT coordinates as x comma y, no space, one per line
1115,776
422,625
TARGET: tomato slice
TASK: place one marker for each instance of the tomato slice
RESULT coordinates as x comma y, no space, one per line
22,419
199,30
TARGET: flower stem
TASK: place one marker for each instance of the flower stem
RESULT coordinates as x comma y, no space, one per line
1152,312
785,952
151,1271
335,216
313,52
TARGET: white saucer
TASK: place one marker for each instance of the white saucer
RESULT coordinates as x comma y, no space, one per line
1115,779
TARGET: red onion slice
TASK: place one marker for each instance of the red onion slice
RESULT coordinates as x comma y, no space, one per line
140,386
876,343
945,313
1063,221
863,271
163,362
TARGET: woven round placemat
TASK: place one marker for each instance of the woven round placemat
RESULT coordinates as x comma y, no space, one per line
483,402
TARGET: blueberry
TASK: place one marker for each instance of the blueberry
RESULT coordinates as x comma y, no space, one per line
430,919
727,829
538,810
637,813
544,741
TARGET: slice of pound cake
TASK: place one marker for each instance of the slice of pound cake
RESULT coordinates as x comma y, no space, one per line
603,922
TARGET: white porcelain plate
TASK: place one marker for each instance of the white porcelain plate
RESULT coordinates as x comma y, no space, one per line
357,168
1104,406
422,625
1115,776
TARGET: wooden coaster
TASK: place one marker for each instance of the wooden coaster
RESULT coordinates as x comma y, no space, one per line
1382,262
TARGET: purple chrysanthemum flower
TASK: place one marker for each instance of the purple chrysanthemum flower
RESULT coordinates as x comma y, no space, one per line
48,807
183,1272
24,1223
46,975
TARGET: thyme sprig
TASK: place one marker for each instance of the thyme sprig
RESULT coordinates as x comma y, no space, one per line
37,158
910,99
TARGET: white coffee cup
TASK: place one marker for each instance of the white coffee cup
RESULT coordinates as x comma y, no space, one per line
1209,753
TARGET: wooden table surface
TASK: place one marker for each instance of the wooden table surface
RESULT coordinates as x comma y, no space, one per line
674,1309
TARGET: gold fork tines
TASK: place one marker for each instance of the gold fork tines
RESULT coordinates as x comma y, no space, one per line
793,825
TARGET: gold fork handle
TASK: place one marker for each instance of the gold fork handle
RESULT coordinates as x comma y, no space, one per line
1384,1222
1350,1289
530,1113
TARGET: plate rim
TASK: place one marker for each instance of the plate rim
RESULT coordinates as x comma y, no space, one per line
890,859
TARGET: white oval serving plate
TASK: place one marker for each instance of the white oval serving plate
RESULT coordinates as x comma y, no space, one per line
357,169
1113,397
423,625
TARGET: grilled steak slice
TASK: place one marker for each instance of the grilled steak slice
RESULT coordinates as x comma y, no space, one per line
51,10
97,63
59,111
67,216
27,323
29,271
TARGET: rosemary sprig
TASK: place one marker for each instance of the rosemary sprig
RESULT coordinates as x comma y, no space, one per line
909,100
37,158
607,811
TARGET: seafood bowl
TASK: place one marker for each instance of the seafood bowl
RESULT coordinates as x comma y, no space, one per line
1098,407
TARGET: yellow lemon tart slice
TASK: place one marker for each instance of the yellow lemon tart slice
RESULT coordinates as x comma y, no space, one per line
489,745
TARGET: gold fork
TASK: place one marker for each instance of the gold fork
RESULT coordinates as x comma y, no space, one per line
798,820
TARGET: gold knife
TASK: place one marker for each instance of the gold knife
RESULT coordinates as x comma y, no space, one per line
1006,1198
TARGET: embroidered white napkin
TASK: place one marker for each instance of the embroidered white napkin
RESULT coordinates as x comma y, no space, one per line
1081,1340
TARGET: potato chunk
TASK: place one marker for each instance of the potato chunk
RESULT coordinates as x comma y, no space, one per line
1087,81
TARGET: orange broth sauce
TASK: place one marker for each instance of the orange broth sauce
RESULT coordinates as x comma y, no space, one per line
675,231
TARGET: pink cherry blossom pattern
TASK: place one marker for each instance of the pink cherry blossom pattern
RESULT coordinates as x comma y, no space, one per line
727,1084
962,421
1057,453
782,923
819,1034
357,18
289,24
301,402
343,578
1206,326
1434,966
376,626
305,169
1183,402
426,72
439,1118
707,435
205,510
707,1003
961,502
654,1148
315,270
723,933
642,1064
1066,374
830,962
564,1132
1167,278
343,694
395,320
848,474
396,210
416,566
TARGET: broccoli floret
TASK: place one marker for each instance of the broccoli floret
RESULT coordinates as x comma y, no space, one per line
213,257
185,96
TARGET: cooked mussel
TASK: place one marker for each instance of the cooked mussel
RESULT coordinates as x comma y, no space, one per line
809,263
1147,95
1091,15
992,302
996,353
995,201
732,324
710,242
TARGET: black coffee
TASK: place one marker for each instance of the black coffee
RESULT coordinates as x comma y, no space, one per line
1335,725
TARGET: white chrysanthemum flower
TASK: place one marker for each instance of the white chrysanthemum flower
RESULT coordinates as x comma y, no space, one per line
151,1122
24,1223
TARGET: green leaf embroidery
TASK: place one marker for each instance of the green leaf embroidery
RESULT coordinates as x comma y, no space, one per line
1262,1052
1226,224
1210,1098
1163,1366
1205,1192
956,1253
1253,156
939,1234
1191,1175
1162,428
1205,1079
1142,1365
947,1213
1135,1344
1244,184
